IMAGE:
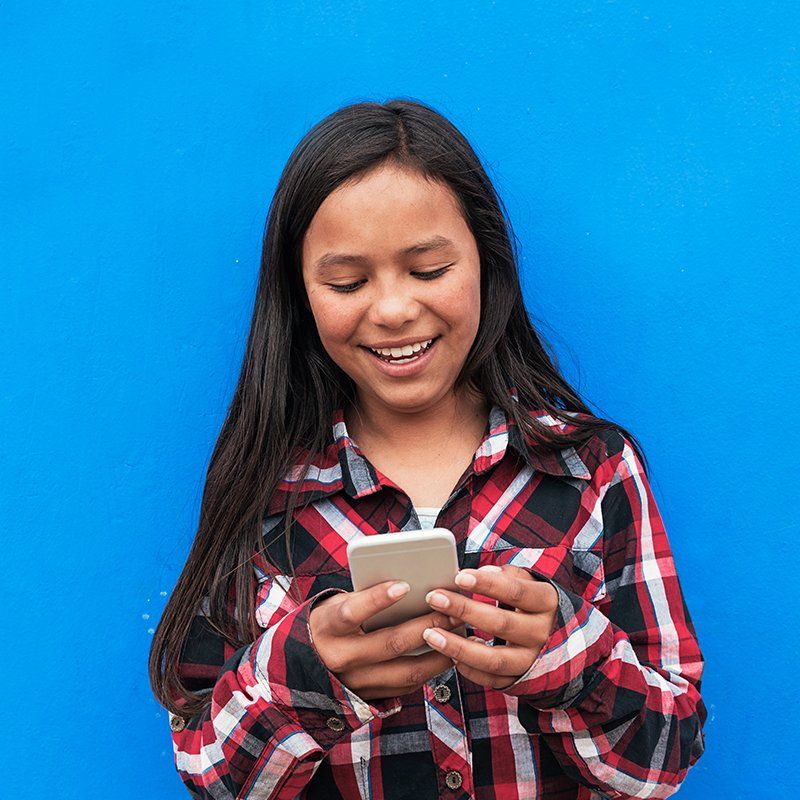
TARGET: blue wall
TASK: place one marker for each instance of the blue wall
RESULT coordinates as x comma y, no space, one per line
647,153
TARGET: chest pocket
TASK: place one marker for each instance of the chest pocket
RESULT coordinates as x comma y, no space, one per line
283,585
579,571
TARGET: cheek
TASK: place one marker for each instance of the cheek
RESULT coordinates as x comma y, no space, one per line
331,322
461,305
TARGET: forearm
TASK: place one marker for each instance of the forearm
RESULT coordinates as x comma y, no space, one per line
618,725
274,714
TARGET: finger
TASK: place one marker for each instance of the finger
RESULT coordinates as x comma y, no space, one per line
517,572
508,586
356,607
389,643
401,675
484,678
526,630
503,660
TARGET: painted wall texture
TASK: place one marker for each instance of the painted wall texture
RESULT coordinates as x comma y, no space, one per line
648,157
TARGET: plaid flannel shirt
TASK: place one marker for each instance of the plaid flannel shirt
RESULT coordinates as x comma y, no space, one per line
610,708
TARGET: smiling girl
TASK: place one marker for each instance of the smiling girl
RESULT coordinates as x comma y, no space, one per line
392,380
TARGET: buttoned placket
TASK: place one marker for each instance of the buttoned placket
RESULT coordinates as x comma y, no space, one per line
444,711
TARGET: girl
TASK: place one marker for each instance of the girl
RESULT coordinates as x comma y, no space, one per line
392,380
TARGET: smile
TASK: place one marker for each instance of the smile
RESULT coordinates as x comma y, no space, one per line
399,362
402,355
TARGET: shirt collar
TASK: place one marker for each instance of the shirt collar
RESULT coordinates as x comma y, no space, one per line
343,467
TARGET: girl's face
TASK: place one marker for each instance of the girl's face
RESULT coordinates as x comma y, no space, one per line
389,261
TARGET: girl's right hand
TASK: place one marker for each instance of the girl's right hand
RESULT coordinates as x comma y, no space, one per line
372,665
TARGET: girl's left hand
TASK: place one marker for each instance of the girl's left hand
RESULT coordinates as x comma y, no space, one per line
525,629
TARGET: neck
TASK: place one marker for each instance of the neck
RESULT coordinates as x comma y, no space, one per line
400,431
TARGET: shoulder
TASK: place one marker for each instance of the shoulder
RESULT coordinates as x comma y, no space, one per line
604,450
310,475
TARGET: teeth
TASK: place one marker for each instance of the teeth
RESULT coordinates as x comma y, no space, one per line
400,352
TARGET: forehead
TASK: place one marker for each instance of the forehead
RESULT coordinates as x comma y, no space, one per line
381,214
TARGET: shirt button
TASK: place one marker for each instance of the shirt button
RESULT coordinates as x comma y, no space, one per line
453,779
335,724
176,723
442,693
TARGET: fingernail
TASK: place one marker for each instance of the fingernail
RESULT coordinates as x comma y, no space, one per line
453,620
398,590
437,600
466,580
434,638
490,568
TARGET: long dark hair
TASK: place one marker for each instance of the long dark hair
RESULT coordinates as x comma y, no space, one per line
289,387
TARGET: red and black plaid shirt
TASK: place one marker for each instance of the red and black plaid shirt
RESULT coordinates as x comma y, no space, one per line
610,708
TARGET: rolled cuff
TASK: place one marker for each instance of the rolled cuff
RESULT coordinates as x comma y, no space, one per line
291,674
566,667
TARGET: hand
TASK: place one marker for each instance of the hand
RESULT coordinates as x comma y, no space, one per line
372,665
526,628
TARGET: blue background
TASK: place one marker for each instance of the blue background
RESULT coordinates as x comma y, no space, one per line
648,155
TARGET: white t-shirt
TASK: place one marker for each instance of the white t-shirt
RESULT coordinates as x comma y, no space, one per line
427,515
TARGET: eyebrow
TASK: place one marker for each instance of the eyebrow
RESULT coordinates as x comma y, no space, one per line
437,242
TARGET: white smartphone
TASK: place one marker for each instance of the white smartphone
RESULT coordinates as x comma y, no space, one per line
425,559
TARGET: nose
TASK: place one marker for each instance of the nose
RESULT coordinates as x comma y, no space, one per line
393,305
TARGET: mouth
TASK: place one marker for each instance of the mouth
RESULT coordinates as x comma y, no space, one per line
406,357
403,362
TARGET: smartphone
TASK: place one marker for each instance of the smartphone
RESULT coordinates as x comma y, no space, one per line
425,559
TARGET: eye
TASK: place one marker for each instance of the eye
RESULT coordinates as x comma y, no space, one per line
425,276
429,276
346,289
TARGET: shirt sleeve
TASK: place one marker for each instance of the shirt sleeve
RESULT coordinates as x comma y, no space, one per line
275,709
615,690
